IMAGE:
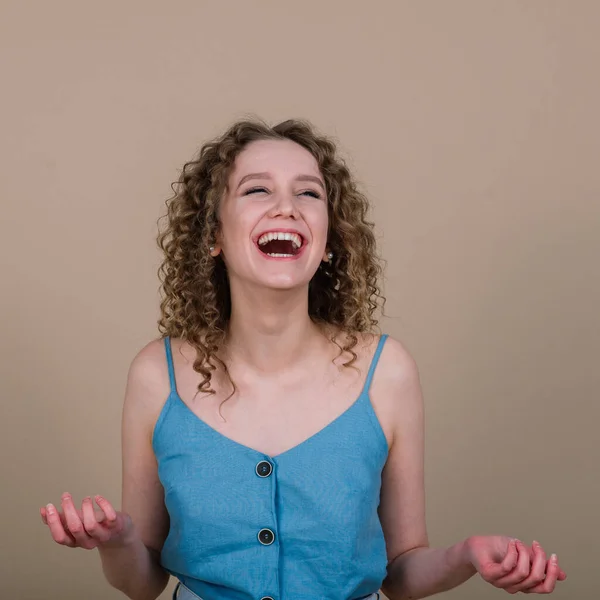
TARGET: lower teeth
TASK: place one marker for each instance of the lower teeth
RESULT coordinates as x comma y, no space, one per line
280,255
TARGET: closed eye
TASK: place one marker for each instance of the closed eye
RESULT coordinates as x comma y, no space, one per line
254,190
312,193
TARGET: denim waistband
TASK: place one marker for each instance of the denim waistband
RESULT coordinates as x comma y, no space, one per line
181,592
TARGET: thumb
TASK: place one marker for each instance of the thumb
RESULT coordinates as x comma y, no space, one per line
497,570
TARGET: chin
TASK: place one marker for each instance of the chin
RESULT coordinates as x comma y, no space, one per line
284,283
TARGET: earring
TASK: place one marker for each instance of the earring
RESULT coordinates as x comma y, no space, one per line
330,256
212,249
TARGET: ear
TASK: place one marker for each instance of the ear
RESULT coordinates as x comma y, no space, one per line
215,247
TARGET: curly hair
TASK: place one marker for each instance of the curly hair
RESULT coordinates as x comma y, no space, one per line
195,296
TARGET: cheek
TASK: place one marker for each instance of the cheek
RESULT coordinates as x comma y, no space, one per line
318,221
234,229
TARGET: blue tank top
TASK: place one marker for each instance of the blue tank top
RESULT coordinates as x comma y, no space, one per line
248,526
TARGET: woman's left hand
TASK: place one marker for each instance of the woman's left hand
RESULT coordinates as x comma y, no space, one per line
510,565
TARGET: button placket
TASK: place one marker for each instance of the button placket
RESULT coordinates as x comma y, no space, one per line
264,469
266,536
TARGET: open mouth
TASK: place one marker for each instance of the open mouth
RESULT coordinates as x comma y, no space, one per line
279,244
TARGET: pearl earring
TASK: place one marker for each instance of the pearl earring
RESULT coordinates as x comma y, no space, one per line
330,256
212,249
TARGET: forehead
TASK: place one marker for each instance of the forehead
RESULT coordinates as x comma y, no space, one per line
275,156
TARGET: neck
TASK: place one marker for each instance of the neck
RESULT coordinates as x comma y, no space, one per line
269,330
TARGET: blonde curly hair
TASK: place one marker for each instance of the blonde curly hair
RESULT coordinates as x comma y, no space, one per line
195,306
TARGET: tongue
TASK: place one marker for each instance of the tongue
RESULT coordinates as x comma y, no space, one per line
278,247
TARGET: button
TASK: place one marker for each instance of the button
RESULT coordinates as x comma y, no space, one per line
266,537
264,468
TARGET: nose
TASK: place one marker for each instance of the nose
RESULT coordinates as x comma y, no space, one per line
285,206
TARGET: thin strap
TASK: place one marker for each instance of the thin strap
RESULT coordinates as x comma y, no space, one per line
374,362
170,362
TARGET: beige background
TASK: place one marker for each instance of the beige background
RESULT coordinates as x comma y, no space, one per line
474,127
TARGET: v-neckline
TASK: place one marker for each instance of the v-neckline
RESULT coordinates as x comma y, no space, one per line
279,455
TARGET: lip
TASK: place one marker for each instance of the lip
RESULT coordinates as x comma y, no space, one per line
281,230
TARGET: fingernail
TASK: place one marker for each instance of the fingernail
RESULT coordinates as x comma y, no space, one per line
536,544
49,509
554,558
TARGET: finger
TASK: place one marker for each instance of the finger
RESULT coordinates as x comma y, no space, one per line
537,571
61,516
552,570
44,515
59,535
73,521
521,570
100,516
108,510
90,523
549,583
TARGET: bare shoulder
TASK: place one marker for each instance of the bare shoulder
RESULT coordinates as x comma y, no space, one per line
396,389
397,367
148,379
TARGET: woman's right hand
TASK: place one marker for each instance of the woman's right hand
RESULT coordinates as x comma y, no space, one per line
87,528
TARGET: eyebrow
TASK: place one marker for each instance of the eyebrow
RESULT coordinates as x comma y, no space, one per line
312,178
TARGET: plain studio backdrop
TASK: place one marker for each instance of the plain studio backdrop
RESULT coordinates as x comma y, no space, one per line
472,125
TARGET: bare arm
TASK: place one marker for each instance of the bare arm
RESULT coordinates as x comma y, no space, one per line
132,566
414,569
424,571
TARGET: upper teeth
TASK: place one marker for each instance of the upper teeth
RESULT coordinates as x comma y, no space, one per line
280,235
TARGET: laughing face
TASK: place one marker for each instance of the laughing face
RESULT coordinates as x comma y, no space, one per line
273,216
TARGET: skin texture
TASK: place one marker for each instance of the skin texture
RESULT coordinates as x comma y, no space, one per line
291,384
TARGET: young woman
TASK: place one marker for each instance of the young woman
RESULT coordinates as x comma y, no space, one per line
272,440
